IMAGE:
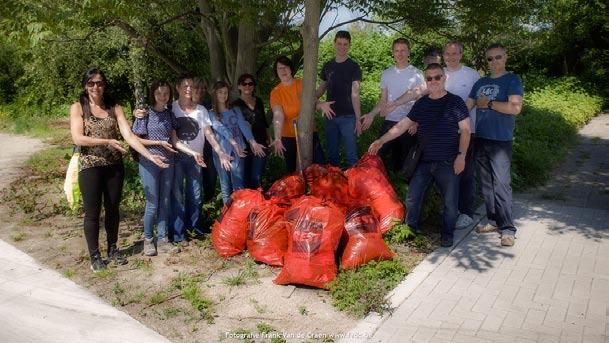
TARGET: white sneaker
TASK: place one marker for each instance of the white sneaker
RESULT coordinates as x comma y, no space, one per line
463,221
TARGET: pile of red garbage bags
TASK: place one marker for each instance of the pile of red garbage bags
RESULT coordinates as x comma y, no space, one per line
341,221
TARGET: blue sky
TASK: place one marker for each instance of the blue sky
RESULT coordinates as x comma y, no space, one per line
334,17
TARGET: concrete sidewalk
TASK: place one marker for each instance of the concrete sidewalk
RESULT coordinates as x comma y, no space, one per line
39,305
551,286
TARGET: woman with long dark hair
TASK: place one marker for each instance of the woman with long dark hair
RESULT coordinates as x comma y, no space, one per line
252,109
96,123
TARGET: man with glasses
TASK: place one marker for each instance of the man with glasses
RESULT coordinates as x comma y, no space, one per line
459,80
443,130
497,99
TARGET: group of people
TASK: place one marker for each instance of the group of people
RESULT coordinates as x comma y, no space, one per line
183,145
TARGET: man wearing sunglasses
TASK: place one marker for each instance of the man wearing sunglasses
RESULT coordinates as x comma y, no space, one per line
497,99
444,132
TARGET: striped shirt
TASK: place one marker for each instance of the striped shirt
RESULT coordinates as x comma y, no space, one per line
440,140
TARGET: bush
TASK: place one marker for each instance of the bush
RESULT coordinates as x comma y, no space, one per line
548,126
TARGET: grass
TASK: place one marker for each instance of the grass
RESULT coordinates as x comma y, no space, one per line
19,236
158,297
302,310
264,328
69,273
190,291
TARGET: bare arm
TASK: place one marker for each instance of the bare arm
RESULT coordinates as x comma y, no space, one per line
133,140
278,120
513,106
321,89
77,129
470,103
393,133
355,100
464,137
410,95
369,117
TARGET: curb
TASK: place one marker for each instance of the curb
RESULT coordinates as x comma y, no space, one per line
368,326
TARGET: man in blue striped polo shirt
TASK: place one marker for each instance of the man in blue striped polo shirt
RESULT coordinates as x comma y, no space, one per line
444,131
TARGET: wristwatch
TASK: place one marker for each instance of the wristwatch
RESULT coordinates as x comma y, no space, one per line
490,105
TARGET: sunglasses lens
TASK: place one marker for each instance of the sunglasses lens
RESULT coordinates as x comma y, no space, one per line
93,83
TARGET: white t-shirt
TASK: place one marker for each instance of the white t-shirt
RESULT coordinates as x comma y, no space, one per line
190,126
460,82
397,82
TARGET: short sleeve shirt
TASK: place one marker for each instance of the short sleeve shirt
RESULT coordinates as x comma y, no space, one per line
339,78
156,126
397,82
288,97
460,82
438,121
491,124
190,126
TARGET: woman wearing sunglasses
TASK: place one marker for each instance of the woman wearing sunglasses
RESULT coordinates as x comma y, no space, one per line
252,109
96,122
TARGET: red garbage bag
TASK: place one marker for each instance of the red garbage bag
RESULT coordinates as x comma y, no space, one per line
267,236
369,185
332,186
316,170
229,232
371,161
364,239
314,234
291,186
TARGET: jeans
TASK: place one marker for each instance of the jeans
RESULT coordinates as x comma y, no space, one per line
467,185
230,180
254,168
289,143
157,184
448,183
209,174
493,159
186,198
398,147
337,127
96,183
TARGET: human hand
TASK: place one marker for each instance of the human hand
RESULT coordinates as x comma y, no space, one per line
224,161
257,149
459,164
412,130
482,101
167,146
367,121
199,159
140,113
326,109
160,161
113,143
388,108
375,147
238,150
278,147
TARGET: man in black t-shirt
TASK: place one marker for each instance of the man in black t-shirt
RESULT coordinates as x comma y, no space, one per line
341,79
444,131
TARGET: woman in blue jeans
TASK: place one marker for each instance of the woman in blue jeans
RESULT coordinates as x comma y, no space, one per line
157,131
231,128
252,109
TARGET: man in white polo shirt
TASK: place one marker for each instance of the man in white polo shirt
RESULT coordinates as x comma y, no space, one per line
459,80
401,85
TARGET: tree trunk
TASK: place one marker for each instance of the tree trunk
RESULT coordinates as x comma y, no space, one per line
309,32
247,50
214,44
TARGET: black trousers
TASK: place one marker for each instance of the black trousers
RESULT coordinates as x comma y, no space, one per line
210,175
99,183
398,147
290,154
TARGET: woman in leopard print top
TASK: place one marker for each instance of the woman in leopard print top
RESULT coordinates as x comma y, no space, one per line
96,124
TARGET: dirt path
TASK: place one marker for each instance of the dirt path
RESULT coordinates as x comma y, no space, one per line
14,152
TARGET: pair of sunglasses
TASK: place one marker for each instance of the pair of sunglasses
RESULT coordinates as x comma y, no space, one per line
437,78
496,57
99,83
250,83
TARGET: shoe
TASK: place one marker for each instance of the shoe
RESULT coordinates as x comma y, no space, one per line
446,242
149,249
507,240
487,228
116,256
463,221
97,264
164,246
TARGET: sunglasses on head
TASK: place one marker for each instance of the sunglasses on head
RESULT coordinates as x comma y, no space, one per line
437,78
496,57
248,83
99,83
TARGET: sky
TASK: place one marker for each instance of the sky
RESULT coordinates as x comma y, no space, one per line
334,17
